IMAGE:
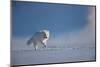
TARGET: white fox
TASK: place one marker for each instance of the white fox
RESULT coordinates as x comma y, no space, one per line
39,39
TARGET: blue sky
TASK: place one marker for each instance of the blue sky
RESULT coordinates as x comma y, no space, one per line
69,25
28,18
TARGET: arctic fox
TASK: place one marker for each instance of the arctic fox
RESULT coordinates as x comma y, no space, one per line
39,39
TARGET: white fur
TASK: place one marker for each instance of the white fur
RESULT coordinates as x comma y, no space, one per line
39,39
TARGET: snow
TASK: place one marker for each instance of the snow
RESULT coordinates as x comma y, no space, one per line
52,55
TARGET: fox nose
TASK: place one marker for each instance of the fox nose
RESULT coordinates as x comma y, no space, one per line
45,36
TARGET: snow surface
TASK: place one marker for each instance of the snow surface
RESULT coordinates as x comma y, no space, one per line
52,55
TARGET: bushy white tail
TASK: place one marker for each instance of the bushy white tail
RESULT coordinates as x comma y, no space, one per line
29,41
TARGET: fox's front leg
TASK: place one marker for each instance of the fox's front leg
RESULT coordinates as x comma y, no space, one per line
44,44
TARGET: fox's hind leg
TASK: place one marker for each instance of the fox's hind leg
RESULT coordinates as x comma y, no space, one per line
35,45
35,48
